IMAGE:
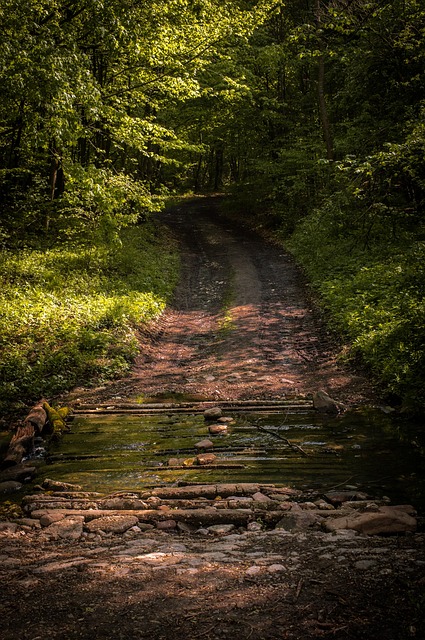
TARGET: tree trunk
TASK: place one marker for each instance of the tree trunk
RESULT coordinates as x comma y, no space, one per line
324,118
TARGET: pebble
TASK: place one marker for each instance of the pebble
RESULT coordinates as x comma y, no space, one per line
275,568
221,529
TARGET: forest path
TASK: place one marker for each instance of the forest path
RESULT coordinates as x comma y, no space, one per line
240,326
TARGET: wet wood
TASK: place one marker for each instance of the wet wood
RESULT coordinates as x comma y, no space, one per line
22,443
196,517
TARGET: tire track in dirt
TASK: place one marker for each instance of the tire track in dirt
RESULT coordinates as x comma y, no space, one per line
240,326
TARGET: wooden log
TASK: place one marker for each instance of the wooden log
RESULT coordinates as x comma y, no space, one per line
196,517
210,491
37,417
22,443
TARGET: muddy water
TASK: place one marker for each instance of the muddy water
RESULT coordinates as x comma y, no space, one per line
364,450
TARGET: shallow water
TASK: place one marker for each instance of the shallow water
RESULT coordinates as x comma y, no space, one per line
371,451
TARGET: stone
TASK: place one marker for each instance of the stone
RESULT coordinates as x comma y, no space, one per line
166,525
185,528
221,529
276,568
214,413
226,420
112,524
253,571
204,444
339,497
297,519
206,458
70,528
260,497
385,520
144,526
174,462
49,518
325,404
254,526
217,429
9,486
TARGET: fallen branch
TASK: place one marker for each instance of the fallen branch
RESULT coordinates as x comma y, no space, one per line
293,446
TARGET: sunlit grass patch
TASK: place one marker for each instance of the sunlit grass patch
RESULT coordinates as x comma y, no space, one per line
68,315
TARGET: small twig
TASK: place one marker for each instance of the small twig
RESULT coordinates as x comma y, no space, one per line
204,633
336,486
299,587
296,447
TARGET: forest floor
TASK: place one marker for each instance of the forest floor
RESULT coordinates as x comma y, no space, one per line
241,326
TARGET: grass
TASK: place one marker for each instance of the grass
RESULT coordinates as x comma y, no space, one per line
68,315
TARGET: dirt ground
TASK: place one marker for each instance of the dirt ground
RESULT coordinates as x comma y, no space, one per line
241,326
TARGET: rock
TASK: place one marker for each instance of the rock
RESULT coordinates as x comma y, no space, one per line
185,528
339,497
49,518
54,485
253,571
297,519
145,526
67,529
214,413
276,568
204,444
260,497
9,486
254,526
19,473
325,404
217,429
166,525
221,529
385,520
226,420
206,458
112,524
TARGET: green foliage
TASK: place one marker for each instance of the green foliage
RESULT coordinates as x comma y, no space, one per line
69,315
373,296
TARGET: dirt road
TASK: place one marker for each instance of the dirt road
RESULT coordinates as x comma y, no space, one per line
241,324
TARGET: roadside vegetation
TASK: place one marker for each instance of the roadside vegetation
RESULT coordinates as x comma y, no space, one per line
69,314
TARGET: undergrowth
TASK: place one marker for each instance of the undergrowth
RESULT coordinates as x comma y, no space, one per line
374,296
68,315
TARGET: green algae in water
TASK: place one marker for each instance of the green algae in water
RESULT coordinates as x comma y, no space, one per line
127,452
